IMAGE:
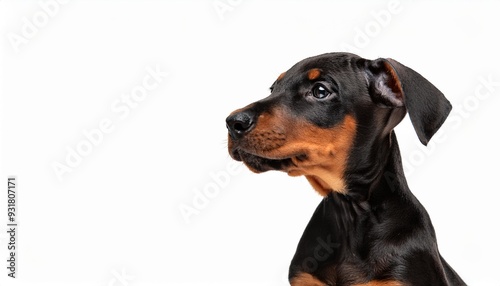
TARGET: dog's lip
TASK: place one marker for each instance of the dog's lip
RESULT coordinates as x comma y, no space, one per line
258,164
237,152
290,161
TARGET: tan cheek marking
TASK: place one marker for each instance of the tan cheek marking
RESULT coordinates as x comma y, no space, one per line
327,153
306,279
313,74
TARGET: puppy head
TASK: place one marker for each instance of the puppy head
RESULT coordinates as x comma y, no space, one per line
319,112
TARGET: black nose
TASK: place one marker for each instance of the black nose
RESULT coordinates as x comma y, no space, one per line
240,123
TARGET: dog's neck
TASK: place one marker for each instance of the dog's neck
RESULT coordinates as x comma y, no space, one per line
380,170
340,223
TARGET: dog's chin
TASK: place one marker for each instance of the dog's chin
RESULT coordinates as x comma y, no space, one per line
259,164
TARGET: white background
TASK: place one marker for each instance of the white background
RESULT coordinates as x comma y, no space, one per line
115,219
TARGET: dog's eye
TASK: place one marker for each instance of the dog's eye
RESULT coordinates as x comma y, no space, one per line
320,92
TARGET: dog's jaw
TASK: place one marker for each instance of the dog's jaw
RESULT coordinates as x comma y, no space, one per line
319,154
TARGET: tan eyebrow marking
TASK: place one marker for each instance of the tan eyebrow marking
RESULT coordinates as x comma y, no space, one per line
313,74
282,75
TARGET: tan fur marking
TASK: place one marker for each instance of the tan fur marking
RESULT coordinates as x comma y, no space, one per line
313,74
282,75
327,151
306,279
381,283
318,185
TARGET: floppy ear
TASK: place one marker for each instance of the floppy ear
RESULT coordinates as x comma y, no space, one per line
394,85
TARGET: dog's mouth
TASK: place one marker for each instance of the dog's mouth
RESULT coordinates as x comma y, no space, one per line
259,163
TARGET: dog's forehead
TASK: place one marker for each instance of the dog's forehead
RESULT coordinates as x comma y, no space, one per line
332,62
313,67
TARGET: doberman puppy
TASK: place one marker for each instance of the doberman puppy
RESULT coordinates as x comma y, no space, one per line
331,119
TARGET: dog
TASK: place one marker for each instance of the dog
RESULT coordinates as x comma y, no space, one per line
330,118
